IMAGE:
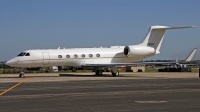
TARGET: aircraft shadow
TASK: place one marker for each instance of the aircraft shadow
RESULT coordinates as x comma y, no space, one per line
89,75
27,77
12,77
66,75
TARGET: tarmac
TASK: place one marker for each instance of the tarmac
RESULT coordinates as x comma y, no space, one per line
85,92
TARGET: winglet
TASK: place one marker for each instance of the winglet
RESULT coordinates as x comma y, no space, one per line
189,58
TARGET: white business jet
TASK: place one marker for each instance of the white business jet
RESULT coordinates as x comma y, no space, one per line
177,63
185,63
95,57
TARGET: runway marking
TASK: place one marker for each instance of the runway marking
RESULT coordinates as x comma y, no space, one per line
151,101
14,86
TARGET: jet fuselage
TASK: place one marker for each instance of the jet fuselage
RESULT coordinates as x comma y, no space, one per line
73,57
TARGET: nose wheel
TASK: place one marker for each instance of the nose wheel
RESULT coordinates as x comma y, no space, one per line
21,75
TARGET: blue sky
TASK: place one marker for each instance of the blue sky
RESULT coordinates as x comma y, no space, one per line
47,24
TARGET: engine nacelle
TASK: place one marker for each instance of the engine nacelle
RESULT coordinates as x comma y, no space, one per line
139,50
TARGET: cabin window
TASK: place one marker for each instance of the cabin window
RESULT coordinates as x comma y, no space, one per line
67,56
75,56
90,55
27,54
59,56
22,54
83,55
97,55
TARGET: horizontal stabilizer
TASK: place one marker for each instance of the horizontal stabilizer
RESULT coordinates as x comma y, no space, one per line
168,28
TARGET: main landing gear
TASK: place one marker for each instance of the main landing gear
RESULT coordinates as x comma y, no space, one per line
99,72
114,71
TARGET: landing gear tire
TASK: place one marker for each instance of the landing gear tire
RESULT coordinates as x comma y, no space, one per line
115,74
21,75
99,72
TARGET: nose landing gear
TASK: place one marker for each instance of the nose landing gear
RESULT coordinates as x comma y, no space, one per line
21,75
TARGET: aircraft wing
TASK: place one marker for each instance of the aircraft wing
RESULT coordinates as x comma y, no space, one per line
126,64
187,64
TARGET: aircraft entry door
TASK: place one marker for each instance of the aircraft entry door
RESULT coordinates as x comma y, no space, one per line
45,58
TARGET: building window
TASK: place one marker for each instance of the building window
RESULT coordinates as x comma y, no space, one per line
67,56
90,55
97,55
59,56
75,55
83,55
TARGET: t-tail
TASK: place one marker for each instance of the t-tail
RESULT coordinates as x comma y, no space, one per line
189,58
156,34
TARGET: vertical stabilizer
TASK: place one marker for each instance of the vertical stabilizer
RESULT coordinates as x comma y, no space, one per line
156,34
189,58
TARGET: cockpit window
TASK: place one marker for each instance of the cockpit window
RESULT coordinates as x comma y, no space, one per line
27,54
22,54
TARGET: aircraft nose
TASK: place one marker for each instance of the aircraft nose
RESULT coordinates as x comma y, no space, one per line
11,62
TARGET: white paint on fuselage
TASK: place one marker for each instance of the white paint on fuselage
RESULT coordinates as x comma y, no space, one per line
107,56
